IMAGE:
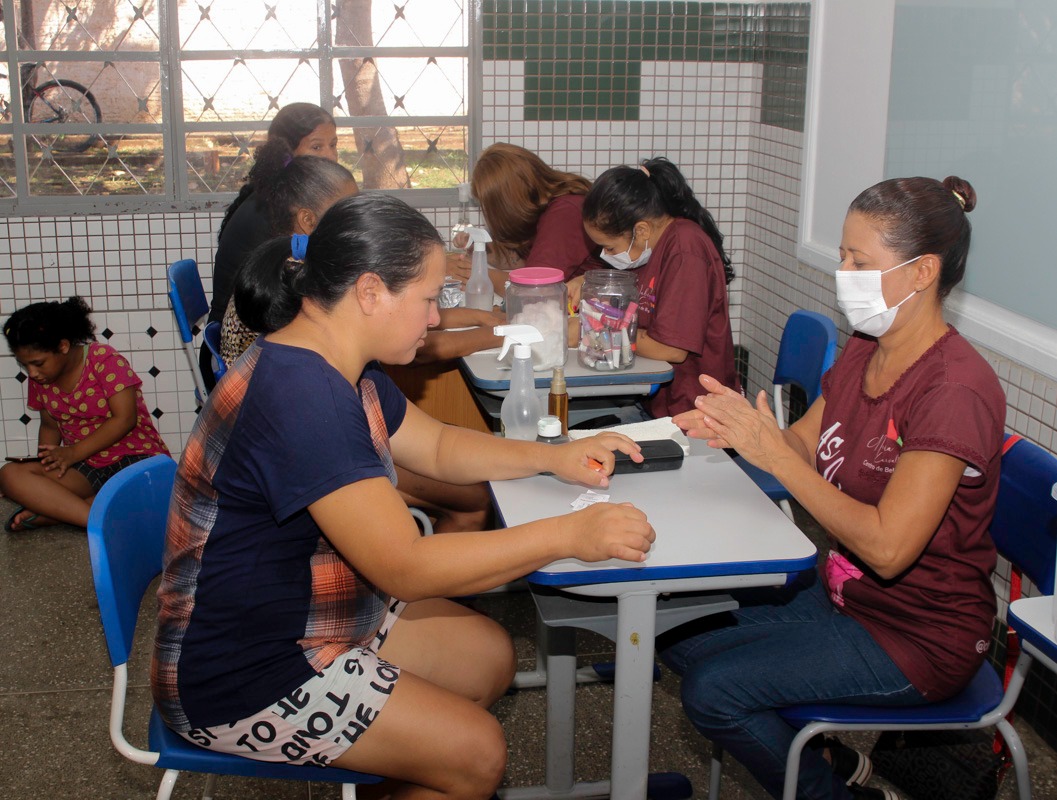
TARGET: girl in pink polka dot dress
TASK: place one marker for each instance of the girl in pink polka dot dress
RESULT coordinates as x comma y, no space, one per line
93,421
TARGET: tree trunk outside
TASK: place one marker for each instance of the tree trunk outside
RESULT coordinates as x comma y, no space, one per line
381,154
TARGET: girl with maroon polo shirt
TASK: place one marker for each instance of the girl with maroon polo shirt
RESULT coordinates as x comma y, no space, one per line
532,211
898,460
647,219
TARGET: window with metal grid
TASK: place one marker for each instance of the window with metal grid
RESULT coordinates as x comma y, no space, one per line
110,105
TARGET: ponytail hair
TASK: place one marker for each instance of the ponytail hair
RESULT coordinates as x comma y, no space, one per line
366,233
288,127
301,182
623,196
43,326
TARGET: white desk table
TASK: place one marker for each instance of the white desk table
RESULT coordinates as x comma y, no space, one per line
716,531
1033,620
486,373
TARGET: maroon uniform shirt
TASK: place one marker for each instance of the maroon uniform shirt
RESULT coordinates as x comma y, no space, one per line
683,303
934,619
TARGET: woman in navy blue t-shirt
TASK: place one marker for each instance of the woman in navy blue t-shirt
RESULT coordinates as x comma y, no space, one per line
301,617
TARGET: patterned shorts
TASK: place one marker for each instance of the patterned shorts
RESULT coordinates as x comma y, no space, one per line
322,718
98,476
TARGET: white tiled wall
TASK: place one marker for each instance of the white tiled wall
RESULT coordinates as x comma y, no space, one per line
703,117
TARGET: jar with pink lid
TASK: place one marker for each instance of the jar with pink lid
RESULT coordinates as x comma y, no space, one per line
537,296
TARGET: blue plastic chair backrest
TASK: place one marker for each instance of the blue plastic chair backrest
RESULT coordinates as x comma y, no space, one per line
126,541
187,295
808,348
211,335
1024,527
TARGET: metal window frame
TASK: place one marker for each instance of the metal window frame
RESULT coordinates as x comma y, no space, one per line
174,129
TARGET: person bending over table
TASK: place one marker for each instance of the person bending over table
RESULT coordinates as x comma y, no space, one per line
646,219
898,460
297,593
532,212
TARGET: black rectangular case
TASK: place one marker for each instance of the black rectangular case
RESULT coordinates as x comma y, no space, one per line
659,454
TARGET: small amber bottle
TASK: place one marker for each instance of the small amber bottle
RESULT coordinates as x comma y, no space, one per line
558,399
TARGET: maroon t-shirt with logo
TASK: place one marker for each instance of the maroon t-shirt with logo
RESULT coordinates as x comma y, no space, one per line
561,241
934,619
683,303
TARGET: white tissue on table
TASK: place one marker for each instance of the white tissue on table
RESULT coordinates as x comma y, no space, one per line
661,428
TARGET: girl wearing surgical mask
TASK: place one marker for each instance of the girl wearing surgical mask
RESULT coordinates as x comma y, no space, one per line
898,461
646,219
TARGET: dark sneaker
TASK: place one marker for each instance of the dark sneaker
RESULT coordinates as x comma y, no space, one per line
853,766
870,793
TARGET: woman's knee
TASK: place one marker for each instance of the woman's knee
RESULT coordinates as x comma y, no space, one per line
501,666
485,763
712,697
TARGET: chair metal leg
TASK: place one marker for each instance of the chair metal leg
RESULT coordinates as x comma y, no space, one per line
1020,758
196,372
211,787
715,774
787,508
792,761
168,783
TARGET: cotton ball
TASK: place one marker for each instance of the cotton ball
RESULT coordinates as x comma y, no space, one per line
551,321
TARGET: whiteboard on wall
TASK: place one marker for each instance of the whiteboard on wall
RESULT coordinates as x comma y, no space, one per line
942,87
847,106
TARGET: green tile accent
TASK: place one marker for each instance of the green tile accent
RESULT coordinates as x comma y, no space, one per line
584,36
598,91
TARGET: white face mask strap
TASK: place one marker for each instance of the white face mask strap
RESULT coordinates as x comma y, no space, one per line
897,266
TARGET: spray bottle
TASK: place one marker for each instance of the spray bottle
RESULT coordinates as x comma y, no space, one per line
460,237
521,407
479,292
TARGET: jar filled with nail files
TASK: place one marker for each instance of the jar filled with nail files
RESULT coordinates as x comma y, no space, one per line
537,296
609,304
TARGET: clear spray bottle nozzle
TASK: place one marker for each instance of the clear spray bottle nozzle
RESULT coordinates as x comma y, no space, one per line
479,236
520,336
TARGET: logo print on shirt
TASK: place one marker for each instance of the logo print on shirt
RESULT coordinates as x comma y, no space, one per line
647,300
893,434
885,450
827,454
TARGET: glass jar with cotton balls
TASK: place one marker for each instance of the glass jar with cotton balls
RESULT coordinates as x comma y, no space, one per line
537,296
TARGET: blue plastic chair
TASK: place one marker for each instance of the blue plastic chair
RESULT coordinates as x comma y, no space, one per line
1024,530
808,348
126,541
1035,481
211,336
190,307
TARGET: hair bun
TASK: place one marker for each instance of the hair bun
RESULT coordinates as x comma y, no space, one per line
963,192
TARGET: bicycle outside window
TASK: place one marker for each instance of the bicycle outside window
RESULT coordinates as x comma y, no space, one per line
125,105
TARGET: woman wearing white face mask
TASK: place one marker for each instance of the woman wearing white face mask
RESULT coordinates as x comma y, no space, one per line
647,219
898,460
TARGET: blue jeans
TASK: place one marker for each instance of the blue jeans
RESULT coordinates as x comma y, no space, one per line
784,647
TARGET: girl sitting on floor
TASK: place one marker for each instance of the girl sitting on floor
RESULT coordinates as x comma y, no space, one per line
93,421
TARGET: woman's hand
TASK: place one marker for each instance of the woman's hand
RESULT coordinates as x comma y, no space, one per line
458,266
610,530
590,460
724,418
576,288
574,330
56,457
